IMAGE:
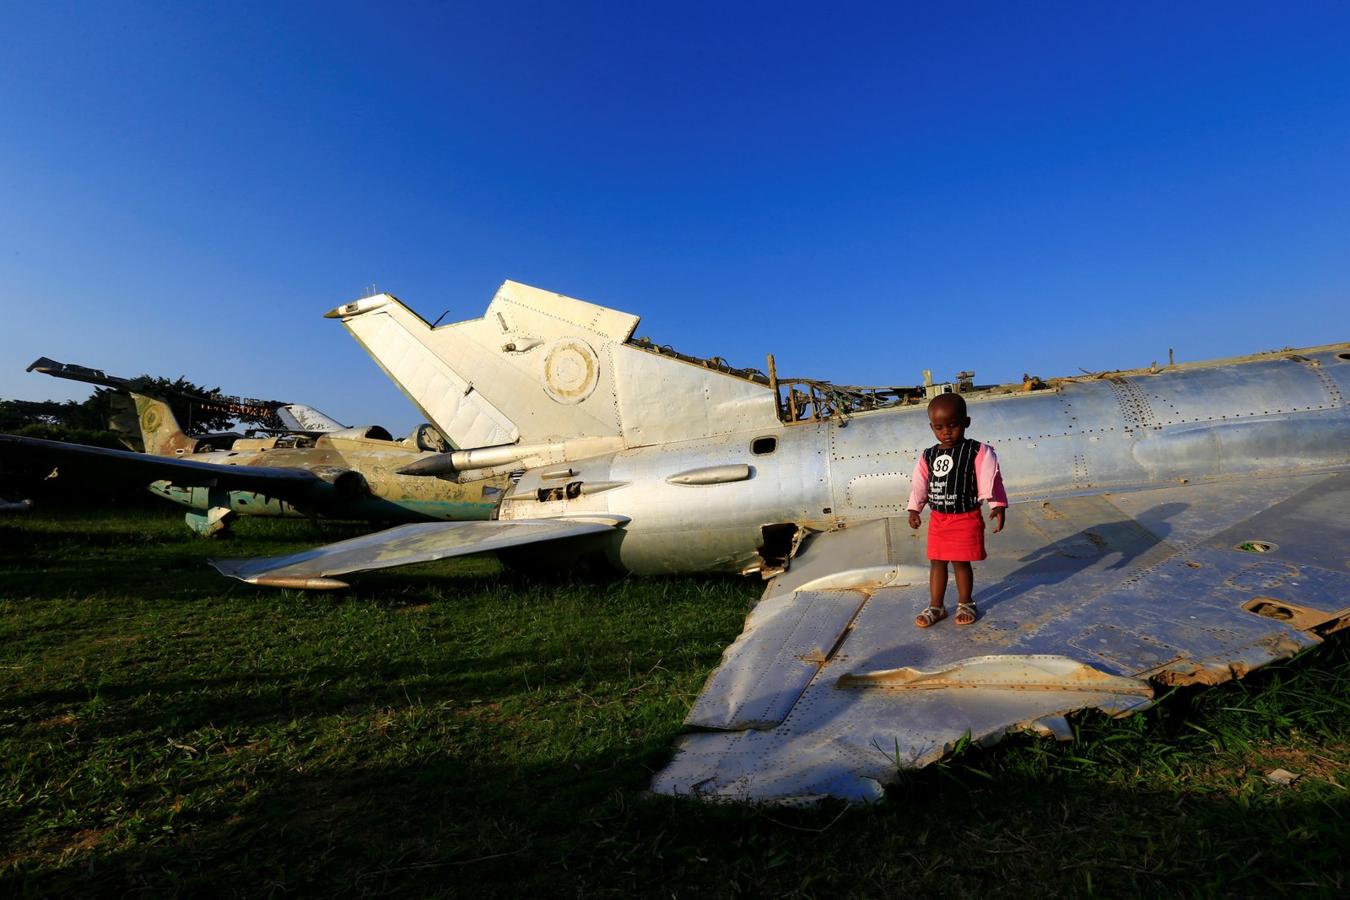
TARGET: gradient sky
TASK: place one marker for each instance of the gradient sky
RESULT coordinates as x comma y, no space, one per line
864,190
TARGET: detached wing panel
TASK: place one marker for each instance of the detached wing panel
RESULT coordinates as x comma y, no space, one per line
1087,602
94,462
402,546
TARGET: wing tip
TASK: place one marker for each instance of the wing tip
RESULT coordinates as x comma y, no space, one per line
299,584
232,568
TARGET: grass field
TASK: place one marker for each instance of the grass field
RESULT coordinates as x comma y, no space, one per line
456,729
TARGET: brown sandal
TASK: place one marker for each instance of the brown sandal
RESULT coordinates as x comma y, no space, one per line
931,615
966,609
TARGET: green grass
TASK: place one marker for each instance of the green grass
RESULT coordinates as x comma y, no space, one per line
456,729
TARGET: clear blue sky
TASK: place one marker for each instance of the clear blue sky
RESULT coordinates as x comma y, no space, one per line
186,188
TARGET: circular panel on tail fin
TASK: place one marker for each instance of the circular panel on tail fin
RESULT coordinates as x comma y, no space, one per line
571,370
151,419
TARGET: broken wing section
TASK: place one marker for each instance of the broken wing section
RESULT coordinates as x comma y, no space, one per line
821,695
850,740
104,463
763,676
1085,603
402,546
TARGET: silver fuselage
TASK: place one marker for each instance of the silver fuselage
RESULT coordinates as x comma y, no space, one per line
1205,422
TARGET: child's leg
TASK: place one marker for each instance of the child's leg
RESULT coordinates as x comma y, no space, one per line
937,581
937,587
965,583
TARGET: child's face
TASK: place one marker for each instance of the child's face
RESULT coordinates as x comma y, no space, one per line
948,427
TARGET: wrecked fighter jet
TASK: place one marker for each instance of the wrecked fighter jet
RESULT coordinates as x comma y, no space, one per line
291,417
336,472
1172,525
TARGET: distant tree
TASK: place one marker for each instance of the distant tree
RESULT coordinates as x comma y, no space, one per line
15,414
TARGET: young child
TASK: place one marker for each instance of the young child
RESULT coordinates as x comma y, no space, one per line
954,478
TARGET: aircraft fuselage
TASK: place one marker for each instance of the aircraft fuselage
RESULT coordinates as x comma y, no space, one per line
734,502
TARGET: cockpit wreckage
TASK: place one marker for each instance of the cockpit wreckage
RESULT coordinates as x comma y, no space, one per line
1172,525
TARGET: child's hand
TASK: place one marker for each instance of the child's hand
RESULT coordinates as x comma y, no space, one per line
914,520
996,516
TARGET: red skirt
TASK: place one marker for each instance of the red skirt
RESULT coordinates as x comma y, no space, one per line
956,537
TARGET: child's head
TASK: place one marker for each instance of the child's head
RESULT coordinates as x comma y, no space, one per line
947,417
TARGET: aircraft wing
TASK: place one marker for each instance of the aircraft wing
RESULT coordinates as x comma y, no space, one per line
404,545
1085,602
276,481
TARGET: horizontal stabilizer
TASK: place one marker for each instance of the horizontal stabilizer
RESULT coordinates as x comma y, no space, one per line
405,545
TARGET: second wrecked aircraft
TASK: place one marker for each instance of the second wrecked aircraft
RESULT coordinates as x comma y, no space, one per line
318,468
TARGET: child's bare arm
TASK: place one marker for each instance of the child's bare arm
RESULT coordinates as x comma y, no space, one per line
995,516
914,520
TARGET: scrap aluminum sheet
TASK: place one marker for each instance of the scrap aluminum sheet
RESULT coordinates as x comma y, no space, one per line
1085,603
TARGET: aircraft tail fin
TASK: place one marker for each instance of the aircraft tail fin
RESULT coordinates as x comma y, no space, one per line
150,417
539,368
160,432
122,419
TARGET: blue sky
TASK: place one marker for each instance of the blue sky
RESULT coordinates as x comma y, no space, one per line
864,190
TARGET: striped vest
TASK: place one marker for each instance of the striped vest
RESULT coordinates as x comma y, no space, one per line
951,477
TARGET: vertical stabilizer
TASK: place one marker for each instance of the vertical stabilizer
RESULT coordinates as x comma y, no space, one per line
529,370
160,431
540,367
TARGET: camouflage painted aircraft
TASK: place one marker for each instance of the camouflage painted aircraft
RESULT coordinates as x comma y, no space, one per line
1180,524
349,473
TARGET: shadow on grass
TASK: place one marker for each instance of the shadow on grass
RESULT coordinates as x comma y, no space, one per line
468,825
1026,816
